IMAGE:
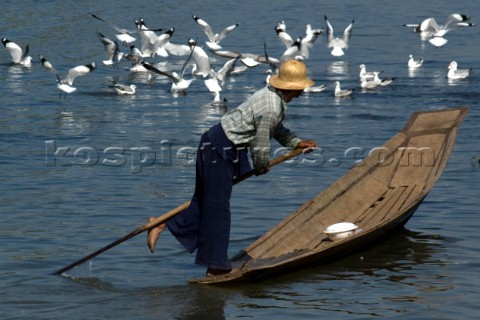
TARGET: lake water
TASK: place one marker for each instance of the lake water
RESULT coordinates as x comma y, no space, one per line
57,208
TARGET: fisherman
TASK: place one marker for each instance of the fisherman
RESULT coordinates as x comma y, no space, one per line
222,157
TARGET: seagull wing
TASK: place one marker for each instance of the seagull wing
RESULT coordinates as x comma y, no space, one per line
212,85
25,53
348,32
134,59
185,64
109,46
457,20
273,65
77,72
285,38
329,33
226,53
307,43
14,50
149,67
177,49
162,40
205,27
293,52
225,32
123,30
281,30
49,67
429,25
226,70
457,17
202,60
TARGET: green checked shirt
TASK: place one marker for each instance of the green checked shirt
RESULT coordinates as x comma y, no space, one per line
256,121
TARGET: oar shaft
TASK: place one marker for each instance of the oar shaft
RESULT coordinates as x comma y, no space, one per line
159,220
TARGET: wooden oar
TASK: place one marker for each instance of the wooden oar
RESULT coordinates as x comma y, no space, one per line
159,220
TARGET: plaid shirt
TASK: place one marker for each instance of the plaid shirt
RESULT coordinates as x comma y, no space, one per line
256,121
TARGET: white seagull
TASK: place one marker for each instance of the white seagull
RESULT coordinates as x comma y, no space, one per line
125,35
364,74
293,52
414,63
179,83
202,65
300,48
373,83
339,92
160,43
214,39
455,73
307,42
66,84
383,82
18,55
453,21
430,30
315,89
217,102
338,44
285,38
114,55
273,65
250,60
136,58
124,89
151,44
217,79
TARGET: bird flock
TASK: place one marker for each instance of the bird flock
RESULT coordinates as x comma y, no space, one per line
145,50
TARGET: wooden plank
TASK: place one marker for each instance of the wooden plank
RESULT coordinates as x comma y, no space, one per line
417,159
392,206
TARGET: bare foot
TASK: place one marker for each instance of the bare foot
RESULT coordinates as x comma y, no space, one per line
153,235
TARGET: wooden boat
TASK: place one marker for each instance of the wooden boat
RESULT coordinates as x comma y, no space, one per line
379,195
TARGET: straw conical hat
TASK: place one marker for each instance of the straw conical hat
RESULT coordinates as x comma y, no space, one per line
291,76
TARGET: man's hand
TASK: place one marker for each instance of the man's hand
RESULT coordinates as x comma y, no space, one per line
307,145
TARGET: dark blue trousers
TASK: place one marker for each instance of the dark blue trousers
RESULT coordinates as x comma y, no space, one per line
205,225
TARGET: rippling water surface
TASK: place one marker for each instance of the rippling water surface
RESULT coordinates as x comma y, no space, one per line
56,209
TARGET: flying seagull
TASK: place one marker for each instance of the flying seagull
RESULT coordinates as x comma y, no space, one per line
66,84
336,43
18,55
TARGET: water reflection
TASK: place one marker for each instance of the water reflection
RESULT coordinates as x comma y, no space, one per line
71,126
358,278
15,79
413,72
206,303
393,262
339,101
338,68
401,252
207,115
456,82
